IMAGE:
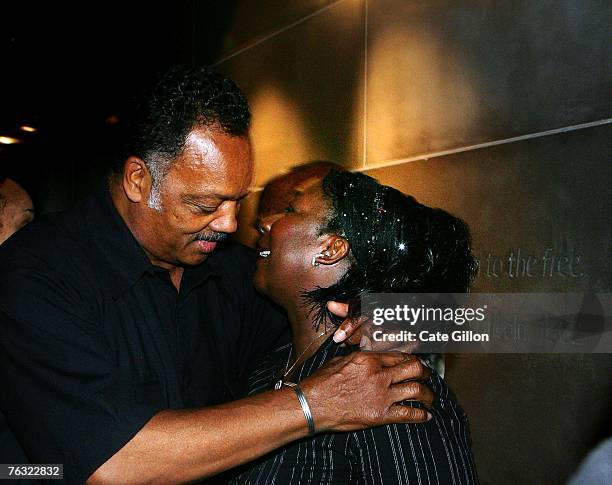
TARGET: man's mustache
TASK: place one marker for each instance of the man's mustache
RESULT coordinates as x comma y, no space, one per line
211,237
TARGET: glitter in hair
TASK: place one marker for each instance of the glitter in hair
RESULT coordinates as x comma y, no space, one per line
397,245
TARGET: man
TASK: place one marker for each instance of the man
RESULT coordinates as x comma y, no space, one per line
127,322
16,208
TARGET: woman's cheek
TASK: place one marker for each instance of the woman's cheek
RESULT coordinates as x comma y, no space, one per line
293,244
298,255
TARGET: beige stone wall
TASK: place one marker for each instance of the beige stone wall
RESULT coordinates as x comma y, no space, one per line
496,111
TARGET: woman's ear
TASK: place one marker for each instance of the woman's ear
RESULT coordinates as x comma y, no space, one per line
334,248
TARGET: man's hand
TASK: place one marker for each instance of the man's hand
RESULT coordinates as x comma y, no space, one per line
362,390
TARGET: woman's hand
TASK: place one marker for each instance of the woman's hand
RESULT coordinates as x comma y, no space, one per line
350,331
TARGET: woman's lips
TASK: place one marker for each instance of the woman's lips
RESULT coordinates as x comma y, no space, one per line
206,246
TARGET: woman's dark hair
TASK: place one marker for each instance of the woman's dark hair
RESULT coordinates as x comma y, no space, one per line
397,245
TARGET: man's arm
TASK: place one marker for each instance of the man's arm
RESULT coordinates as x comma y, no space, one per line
68,403
178,446
353,392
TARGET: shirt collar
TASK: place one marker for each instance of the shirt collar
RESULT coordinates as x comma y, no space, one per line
125,261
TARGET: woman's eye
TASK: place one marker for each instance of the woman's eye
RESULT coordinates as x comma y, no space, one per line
289,208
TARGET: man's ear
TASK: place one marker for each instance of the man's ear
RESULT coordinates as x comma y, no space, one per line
136,179
334,248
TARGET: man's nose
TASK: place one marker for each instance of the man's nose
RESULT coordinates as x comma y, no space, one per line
226,220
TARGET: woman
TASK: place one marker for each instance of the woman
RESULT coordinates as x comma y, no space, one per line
339,238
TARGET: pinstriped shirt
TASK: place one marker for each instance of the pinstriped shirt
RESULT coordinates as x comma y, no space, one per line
436,452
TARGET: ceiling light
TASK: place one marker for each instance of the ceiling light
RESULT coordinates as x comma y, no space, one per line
7,140
29,129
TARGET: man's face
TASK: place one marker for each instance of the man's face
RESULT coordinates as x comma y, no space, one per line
200,198
16,209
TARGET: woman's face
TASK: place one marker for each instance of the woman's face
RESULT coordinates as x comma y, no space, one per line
288,242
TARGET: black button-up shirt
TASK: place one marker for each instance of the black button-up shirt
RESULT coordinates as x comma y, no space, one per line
94,340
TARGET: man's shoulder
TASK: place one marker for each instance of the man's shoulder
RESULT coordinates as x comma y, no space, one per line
42,263
50,250
44,240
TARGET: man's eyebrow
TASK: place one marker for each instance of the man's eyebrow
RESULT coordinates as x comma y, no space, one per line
201,198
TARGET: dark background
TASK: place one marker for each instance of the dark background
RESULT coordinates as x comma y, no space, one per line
68,68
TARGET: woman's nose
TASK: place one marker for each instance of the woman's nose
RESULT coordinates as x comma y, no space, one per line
266,221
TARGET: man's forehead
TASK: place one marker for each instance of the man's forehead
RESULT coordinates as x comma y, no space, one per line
308,187
279,191
198,187
213,166
207,145
284,191
200,149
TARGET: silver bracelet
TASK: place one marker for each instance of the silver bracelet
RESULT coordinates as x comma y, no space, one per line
305,407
